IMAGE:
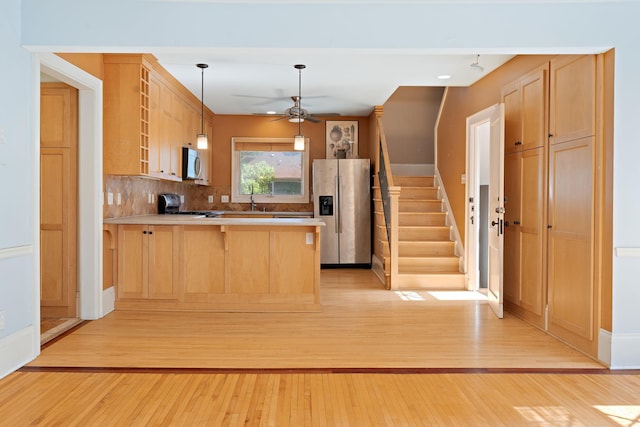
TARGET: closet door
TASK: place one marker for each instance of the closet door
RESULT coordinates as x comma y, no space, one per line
532,232
58,199
572,290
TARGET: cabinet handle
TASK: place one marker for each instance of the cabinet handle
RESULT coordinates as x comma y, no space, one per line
549,226
151,232
144,232
516,222
550,135
517,143
161,171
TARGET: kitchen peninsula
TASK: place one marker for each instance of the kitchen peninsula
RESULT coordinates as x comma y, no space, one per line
195,263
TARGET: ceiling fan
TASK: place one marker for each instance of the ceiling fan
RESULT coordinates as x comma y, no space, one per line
296,113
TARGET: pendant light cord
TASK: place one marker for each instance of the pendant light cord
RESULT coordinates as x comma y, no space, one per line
299,99
202,101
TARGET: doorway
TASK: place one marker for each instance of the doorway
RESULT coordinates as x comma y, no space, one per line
92,303
485,204
478,215
58,207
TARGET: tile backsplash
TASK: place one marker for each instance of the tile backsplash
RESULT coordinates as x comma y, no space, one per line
134,197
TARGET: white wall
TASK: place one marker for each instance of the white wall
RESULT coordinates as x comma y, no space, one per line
443,27
18,289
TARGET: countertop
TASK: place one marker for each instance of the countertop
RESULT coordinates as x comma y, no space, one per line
202,220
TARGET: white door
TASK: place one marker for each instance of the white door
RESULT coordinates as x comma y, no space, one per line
496,209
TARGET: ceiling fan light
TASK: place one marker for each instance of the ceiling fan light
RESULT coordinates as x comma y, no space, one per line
298,143
296,120
202,142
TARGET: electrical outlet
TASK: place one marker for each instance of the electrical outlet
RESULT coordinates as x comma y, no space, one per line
309,238
224,199
210,199
3,136
181,198
150,198
3,323
119,197
463,178
110,199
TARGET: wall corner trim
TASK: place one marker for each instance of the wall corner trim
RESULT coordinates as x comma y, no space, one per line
16,350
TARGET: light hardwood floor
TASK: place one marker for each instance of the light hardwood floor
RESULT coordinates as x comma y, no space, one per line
371,357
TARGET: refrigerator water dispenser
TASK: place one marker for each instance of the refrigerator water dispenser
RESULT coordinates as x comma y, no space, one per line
326,205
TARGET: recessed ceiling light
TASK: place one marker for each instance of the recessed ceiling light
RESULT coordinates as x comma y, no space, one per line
444,76
271,112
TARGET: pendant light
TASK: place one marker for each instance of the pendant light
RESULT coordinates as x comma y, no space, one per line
202,140
298,140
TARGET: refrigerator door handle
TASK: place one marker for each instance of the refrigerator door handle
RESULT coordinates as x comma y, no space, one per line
336,205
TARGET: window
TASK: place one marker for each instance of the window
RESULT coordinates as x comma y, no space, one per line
270,170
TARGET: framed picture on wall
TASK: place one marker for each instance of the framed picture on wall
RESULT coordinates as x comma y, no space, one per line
342,139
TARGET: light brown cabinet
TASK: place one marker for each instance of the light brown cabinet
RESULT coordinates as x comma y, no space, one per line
126,114
572,98
212,267
549,274
58,199
525,111
147,120
525,234
572,293
204,263
148,265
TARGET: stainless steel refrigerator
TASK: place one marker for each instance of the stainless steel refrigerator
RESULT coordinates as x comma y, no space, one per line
342,199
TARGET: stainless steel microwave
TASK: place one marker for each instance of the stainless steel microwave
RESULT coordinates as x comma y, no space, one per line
190,163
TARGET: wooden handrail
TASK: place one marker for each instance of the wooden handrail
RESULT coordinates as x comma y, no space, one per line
390,200
385,151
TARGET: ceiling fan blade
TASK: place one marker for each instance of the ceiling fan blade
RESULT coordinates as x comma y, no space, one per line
313,119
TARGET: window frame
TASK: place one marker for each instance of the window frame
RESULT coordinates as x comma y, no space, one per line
236,197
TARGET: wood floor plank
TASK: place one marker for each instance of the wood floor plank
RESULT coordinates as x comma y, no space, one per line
349,399
371,357
361,325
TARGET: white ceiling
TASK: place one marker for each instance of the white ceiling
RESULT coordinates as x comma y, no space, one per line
348,82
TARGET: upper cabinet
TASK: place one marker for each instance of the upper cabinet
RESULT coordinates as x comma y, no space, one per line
525,110
573,98
148,117
126,115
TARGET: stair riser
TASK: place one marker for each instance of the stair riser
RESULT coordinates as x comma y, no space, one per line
422,219
417,193
420,206
431,281
414,181
418,249
439,266
413,234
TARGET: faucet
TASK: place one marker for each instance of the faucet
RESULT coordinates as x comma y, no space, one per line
253,203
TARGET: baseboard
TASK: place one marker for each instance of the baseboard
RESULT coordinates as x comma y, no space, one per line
412,169
377,266
108,300
625,351
17,350
604,347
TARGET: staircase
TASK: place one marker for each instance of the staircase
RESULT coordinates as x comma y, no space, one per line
426,253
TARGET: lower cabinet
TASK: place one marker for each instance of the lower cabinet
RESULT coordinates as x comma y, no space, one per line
218,267
148,262
204,259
